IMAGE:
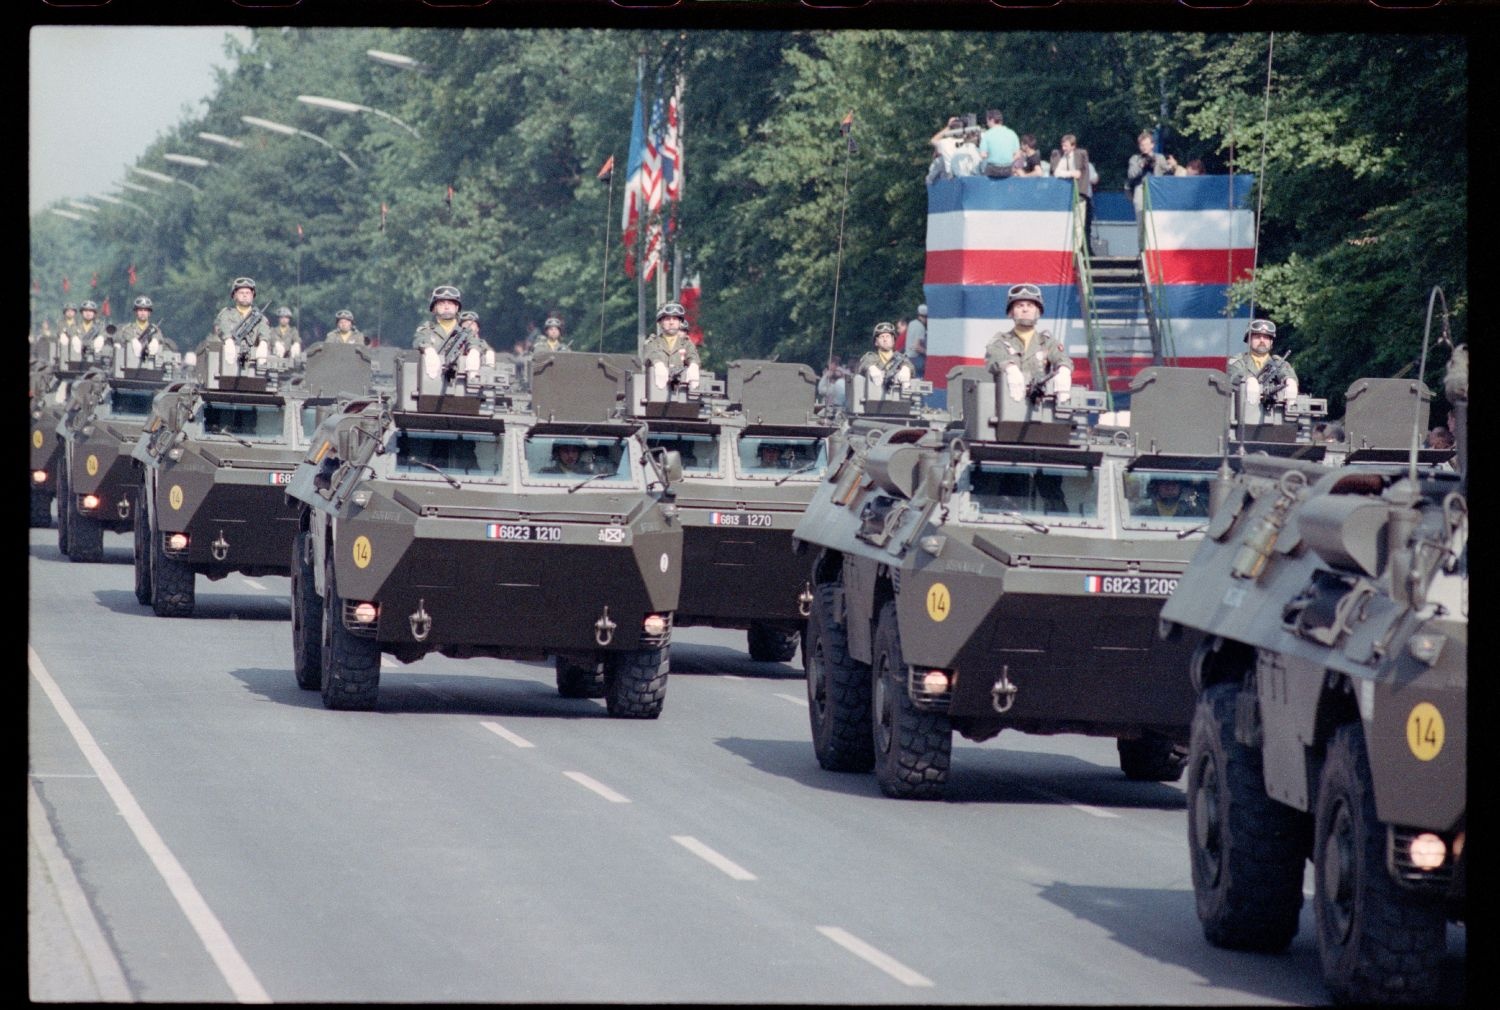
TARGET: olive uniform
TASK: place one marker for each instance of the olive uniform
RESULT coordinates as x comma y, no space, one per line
888,365
1036,357
288,334
354,336
676,352
1268,367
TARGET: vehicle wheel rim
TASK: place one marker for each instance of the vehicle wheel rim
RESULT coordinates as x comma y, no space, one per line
1208,852
884,717
1338,873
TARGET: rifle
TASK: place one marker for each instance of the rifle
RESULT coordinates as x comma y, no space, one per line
242,331
1272,381
454,347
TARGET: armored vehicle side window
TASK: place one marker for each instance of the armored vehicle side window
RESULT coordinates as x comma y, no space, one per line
561,457
773,456
309,421
248,420
131,402
462,453
1166,495
1034,490
700,453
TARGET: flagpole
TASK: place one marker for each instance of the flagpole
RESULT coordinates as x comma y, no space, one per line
609,203
833,321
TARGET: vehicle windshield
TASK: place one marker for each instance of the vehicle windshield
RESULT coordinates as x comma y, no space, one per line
778,456
131,402
247,420
570,458
1034,491
1166,496
700,452
458,453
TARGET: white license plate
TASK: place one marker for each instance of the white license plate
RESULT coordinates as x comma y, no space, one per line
1130,585
526,532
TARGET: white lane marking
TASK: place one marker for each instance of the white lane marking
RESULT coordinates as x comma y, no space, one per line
1060,798
596,786
793,699
505,734
388,663
730,676
438,692
854,945
237,974
713,858
103,968
254,585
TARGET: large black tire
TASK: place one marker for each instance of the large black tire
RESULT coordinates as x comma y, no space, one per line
913,746
1152,758
85,539
1378,943
1247,850
307,618
635,683
41,508
64,504
578,680
838,692
351,663
142,545
173,583
770,644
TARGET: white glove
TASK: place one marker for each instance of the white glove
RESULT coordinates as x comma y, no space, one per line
1252,389
432,365
489,356
1015,385
1062,384
76,346
296,349
659,375
262,352
691,375
190,359
903,376
1289,391
98,344
471,360
153,348
279,348
876,375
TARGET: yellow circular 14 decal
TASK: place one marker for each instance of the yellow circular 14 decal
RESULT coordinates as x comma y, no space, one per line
938,602
36,439
91,465
1424,731
362,552
174,496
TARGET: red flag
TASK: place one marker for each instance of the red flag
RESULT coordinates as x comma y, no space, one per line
36,286
689,299
847,123
299,229
607,169
131,275
104,308
449,198
95,282
66,286
382,217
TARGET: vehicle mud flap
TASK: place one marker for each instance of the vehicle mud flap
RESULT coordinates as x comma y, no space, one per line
838,691
913,746
635,685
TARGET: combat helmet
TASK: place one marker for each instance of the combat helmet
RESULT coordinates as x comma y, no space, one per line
241,282
1025,293
883,328
344,314
1264,326
671,309
445,293
142,302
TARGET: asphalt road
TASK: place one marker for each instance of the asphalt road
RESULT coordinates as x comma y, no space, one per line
203,830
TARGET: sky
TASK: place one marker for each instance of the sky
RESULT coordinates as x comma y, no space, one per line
100,95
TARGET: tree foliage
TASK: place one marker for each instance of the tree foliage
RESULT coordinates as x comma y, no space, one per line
800,241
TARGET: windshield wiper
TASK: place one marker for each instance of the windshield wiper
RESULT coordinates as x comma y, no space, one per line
585,480
1040,527
241,441
1190,530
441,473
795,472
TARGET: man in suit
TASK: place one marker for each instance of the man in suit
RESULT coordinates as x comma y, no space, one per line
1072,162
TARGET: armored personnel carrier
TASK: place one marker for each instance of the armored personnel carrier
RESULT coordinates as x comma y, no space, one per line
753,447
216,456
107,406
1006,571
468,518
1331,720
48,388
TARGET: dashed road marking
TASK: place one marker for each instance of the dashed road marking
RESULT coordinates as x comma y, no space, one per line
594,785
713,858
895,969
505,734
226,957
794,699
1060,798
254,584
730,676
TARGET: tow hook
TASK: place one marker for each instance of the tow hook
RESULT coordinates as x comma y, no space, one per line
420,620
804,600
1003,694
604,629
123,507
220,547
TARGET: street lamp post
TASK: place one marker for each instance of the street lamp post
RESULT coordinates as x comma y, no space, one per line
292,131
137,187
163,177
188,159
90,208
221,140
66,213
394,60
339,105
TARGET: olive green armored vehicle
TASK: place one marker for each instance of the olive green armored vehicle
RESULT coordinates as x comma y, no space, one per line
469,518
753,448
216,456
48,398
1006,571
1331,720
97,483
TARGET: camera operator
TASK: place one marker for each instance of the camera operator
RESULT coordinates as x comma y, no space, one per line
831,384
944,143
1143,164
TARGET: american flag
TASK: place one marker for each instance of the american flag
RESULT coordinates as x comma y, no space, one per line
631,217
671,146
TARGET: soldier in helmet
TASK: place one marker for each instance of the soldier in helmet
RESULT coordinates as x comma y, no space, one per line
68,326
259,341
669,353
143,340
88,336
1263,374
432,336
885,367
552,336
1025,356
285,331
344,330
